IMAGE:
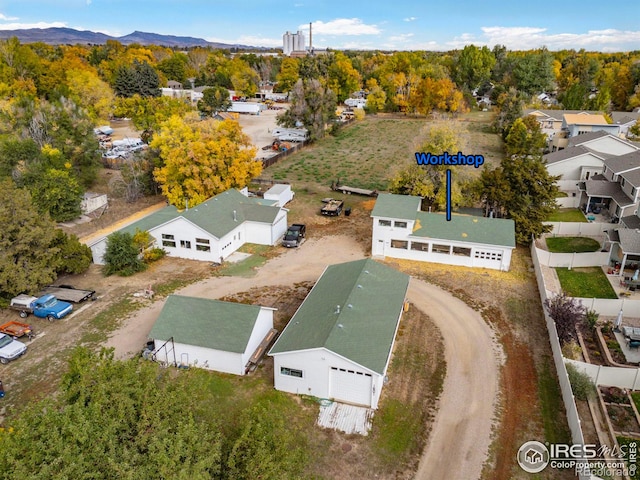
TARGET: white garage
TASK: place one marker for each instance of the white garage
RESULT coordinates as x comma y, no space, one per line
351,386
338,344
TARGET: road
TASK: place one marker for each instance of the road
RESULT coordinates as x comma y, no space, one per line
461,432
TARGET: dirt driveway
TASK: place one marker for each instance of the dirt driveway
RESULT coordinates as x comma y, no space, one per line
462,426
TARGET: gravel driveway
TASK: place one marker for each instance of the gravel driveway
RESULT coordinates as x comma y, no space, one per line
461,434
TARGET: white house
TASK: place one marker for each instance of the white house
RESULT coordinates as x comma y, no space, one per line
401,230
210,231
211,334
338,344
573,165
280,193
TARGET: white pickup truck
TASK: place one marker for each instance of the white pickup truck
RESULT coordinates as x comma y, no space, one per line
10,349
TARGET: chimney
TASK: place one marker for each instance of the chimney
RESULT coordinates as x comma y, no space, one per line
235,217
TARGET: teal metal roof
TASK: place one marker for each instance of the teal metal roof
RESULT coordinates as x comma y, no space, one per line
218,216
206,323
353,311
390,205
465,228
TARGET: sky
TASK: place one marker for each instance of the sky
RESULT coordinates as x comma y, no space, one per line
374,24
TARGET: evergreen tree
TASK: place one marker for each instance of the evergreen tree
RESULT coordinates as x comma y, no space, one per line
121,255
312,106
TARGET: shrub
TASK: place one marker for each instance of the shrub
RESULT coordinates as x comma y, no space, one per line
581,384
154,254
591,319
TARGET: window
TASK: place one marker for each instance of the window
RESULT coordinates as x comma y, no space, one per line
384,223
400,224
168,241
399,244
291,372
441,249
464,252
202,245
497,256
421,247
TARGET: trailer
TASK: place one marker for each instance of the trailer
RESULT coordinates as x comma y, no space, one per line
17,329
359,191
68,293
291,134
246,107
332,208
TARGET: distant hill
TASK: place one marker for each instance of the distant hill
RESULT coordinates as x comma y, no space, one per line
63,36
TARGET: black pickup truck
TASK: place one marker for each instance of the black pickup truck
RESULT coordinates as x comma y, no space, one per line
295,235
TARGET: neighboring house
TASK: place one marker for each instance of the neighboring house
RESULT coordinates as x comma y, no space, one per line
577,124
211,334
338,344
573,165
617,189
625,247
401,230
210,231
625,120
551,120
174,85
189,95
602,142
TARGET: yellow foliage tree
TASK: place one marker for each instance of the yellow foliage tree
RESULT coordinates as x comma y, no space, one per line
92,93
202,159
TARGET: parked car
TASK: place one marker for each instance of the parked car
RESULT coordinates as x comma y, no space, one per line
10,349
295,235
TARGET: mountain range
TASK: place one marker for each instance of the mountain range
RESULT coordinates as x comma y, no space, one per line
65,36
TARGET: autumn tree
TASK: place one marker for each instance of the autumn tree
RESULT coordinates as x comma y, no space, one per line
312,105
121,256
26,238
90,92
202,159
288,75
343,78
525,137
377,98
147,113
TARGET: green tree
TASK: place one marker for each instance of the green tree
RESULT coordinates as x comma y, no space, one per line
472,66
175,67
525,137
533,71
58,193
73,257
16,155
510,106
202,159
147,113
214,99
121,255
312,105
493,191
26,237
113,419
533,195
137,79
267,448
576,97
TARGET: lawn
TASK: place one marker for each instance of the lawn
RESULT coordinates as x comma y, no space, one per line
567,215
585,283
366,153
572,244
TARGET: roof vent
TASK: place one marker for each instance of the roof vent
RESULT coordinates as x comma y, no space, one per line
350,306
340,325
359,286
366,271
235,216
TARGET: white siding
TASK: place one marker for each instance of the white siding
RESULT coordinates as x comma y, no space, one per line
201,357
316,374
483,256
280,193
574,168
264,323
98,250
184,235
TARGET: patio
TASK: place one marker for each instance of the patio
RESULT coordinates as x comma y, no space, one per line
622,284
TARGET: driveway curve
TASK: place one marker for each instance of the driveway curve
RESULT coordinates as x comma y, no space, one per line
461,431
460,436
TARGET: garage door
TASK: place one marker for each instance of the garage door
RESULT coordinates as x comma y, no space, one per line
350,386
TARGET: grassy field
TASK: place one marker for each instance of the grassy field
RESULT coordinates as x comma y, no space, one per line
366,154
567,215
572,244
585,283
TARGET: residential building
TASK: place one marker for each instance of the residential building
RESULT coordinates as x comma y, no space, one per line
401,230
338,344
